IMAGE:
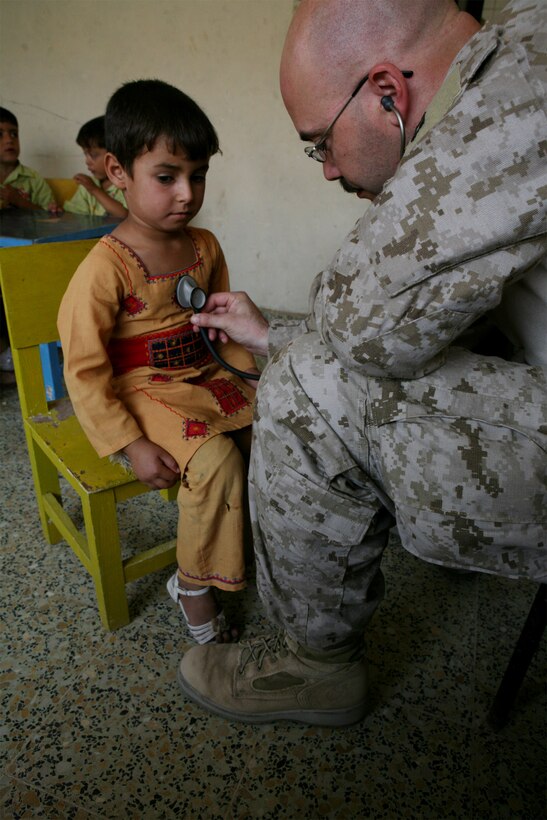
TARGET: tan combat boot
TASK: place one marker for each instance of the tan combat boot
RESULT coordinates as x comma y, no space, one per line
268,679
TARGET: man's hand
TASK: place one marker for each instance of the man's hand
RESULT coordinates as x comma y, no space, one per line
234,316
152,464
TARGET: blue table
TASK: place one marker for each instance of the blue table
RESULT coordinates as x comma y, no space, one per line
19,227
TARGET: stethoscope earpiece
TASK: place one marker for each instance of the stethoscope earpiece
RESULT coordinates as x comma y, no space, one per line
387,103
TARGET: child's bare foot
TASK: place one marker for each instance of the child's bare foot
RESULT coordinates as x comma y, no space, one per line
201,612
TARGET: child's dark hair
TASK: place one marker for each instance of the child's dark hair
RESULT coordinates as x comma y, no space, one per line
7,116
140,112
91,134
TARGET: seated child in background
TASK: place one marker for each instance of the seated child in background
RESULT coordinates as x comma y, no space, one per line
96,195
141,380
20,187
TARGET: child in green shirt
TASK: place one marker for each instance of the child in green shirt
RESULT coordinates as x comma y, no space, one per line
95,195
20,186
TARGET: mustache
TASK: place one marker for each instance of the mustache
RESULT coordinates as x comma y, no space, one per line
347,186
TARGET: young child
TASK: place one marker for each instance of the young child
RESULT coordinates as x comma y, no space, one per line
141,379
96,195
20,186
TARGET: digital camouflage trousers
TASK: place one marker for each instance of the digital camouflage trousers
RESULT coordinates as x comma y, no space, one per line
456,459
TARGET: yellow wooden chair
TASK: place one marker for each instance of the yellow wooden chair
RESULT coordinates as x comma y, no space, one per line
63,189
33,279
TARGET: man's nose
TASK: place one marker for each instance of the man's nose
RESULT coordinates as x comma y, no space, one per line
330,170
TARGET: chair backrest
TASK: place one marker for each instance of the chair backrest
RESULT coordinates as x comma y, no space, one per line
33,279
63,189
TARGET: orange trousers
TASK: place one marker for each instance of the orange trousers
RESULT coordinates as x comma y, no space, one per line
213,522
213,519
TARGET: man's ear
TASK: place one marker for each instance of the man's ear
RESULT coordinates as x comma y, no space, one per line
385,79
115,172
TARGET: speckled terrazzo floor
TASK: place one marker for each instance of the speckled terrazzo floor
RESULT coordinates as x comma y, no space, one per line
94,726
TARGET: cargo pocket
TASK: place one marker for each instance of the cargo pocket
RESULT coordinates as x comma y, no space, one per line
309,529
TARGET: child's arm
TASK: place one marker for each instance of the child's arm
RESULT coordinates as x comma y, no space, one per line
152,464
111,206
15,198
86,321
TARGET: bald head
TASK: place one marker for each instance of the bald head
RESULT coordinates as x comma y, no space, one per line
403,48
337,33
331,43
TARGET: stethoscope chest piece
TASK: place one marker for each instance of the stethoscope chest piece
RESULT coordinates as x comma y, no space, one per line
189,295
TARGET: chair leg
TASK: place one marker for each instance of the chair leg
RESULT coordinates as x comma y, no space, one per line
521,658
101,525
46,480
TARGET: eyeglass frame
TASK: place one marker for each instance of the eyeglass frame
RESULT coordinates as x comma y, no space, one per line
318,151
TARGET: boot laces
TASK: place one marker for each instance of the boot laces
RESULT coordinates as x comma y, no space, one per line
257,650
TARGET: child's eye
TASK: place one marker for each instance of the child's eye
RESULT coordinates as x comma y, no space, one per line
165,179
199,177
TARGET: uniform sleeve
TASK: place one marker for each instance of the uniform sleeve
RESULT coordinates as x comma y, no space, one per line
86,319
463,218
282,332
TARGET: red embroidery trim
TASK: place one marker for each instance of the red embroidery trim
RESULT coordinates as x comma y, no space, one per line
195,429
158,277
231,581
158,401
229,397
133,305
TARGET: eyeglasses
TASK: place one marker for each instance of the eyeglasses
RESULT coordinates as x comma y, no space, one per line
318,151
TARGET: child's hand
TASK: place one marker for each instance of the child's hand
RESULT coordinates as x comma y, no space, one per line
152,464
86,182
54,209
12,196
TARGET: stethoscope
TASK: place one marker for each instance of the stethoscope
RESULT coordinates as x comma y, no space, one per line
189,295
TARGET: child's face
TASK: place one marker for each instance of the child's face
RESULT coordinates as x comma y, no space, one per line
94,160
9,143
165,190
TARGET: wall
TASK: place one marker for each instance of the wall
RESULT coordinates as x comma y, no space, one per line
277,219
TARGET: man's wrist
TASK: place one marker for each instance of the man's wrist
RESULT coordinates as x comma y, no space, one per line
258,346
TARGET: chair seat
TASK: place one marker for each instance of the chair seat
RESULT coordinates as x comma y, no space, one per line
59,434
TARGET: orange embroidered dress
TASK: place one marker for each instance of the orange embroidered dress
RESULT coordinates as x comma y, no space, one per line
134,366
113,298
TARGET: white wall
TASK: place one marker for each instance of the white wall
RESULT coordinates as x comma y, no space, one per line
276,217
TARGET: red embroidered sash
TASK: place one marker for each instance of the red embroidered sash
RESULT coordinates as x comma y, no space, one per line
173,349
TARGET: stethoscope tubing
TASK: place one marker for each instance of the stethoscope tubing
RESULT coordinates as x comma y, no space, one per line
188,294
218,358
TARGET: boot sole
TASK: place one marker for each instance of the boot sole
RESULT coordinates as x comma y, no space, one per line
325,717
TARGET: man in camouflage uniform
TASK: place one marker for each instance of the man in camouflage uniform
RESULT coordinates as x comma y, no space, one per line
375,410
